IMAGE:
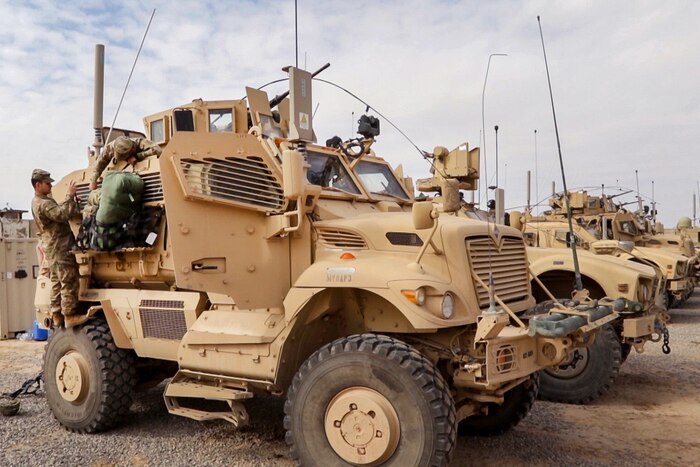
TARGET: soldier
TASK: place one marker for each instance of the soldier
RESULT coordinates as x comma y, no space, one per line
57,238
123,149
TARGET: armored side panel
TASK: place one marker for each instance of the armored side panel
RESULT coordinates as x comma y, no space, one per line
220,190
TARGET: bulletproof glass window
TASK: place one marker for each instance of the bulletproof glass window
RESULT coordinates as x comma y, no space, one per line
564,236
220,120
157,129
184,120
530,238
327,171
628,227
379,179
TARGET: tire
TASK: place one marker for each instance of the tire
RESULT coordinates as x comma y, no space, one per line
379,390
502,418
585,380
625,350
89,382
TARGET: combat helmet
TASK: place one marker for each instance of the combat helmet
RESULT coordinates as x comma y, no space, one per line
684,223
123,148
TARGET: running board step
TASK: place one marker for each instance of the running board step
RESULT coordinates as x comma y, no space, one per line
182,386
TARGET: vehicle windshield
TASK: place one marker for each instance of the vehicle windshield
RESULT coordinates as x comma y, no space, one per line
379,179
328,171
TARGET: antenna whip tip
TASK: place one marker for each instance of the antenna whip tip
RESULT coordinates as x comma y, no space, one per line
538,18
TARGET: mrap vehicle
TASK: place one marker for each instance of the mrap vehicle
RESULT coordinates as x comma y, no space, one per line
264,263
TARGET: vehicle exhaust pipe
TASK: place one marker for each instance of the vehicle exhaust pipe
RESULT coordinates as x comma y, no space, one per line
98,101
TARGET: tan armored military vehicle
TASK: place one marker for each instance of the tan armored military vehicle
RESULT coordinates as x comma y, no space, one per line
599,219
263,263
588,373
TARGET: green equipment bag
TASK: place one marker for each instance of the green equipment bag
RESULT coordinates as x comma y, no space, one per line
120,197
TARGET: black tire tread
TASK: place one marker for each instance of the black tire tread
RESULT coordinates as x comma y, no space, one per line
596,386
118,374
421,369
480,425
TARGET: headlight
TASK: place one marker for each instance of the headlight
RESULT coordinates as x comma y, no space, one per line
448,305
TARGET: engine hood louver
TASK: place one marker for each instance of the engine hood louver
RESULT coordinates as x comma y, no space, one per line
340,238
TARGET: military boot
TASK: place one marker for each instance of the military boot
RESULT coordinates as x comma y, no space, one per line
74,319
56,319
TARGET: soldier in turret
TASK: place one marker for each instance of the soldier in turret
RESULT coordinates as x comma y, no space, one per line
129,150
57,238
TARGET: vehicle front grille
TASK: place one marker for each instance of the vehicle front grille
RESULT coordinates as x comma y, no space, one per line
509,267
340,238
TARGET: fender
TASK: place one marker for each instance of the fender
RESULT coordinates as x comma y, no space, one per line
606,271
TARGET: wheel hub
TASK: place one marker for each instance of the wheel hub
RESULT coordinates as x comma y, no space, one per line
572,366
72,377
362,426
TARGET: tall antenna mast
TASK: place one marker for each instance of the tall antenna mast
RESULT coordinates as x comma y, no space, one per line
577,270
296,36
537,191
639,198
136,59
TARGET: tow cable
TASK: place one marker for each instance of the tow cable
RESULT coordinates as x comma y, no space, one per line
31,386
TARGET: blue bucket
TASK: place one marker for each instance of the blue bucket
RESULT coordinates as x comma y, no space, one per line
40,334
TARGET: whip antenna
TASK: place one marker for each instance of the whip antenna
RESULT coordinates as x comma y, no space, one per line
130,74
577,271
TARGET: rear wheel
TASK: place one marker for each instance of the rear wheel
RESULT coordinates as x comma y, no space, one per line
88,381
586,374
369,400
501,418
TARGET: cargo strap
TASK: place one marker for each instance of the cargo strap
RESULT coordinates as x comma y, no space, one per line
31,386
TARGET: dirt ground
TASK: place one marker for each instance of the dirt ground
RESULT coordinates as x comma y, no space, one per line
650,417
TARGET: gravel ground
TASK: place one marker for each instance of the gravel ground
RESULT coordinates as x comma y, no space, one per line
650,417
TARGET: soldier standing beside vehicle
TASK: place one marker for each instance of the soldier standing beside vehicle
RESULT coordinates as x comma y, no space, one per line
123,149
57,238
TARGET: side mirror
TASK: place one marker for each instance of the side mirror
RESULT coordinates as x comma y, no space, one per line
423,215
293,174
626,245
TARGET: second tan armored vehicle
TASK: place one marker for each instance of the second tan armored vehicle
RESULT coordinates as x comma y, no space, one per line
264,263
588,373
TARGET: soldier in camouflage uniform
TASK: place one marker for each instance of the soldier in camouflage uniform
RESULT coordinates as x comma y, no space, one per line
57,238
123,149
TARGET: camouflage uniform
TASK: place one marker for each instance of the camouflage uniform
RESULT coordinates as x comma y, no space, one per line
57,238
120,150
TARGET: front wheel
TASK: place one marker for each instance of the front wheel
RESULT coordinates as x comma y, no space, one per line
586,374
503,417
88,381
368,400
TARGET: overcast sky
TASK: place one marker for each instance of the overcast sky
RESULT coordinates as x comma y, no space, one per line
624,76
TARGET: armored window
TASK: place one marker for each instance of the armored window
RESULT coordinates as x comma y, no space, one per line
628,227
184,120
530,238
379,179
220,120
564,236
329,172
157,130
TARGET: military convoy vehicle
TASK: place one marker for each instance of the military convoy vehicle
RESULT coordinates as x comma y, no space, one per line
607,271
599,218
264,263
